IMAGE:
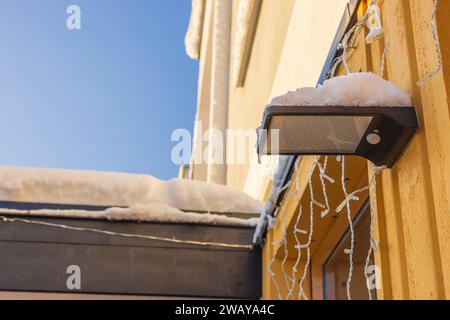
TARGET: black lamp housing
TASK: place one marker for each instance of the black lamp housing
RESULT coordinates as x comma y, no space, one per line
379,134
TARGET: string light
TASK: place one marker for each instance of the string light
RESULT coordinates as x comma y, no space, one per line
376,30
323,176
277,244
351,197
352,230
348,42
430,75
297,231
286,277
311,231
383,57
373,205
346,45
270,271
354,32
349,39
127,235
313,203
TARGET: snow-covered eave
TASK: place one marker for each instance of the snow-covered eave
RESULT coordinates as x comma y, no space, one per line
146,194
193,37
138,213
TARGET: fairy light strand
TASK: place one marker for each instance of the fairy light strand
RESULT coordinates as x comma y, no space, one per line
430,75
353,196
347,44
311,233
373,206
351,228
272,274
323,176
127,235
349,40
298,246
287,279
383,58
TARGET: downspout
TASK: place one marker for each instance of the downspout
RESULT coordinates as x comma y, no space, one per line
218,121
193,44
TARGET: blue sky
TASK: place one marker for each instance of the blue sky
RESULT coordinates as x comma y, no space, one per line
106,97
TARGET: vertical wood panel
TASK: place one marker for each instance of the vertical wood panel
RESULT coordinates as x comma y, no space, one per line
389,226
436,120
411,176
392,248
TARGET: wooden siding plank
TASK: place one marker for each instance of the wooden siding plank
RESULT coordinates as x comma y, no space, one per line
436,120
388,221
391,256
414,203
130,270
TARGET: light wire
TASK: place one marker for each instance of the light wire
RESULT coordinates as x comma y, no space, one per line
430,75
127,235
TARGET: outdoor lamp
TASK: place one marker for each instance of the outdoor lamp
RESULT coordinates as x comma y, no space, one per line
377,133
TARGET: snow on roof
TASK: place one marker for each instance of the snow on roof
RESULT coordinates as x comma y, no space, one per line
155,212
355,89
57,186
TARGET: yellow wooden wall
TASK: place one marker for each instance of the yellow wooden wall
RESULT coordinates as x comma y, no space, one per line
413,210
246,104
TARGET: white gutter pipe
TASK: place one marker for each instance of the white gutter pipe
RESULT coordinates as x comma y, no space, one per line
218,120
